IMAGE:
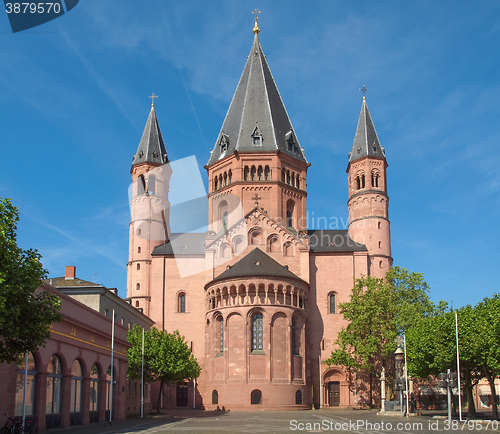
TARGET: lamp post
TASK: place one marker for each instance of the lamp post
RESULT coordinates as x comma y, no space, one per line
398,362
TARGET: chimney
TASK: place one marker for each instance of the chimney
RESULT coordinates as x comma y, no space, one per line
70,272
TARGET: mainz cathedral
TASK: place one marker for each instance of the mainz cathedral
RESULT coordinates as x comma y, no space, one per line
256,296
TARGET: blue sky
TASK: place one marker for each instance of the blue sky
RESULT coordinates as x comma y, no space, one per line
73,104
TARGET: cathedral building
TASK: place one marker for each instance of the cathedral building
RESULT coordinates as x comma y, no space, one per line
256,296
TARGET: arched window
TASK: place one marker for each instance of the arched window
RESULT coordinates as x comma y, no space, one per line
260,172
30,387
297,182
375,176
298,397
293,179
379,226
94,394
216,183
138,266
288,177
151,184
139,231
220,334
181,303
257,332
54,382
141,185
230,176
215,397
287,249
294,340
358,183
380,244
363,180
256,397
273,244
256,237
224,250
246,171
137,303
332,304
220,181
225,178
266,173
223,214
283,175
76,393
138,286
238,244
253,171
138,250
290,205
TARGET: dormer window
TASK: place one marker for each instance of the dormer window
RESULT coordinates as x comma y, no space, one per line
290,142
224,142
257,137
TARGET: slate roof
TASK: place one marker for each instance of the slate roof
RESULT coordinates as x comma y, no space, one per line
58,282
182,244
256,110
366,142
151,147
256,263
323,241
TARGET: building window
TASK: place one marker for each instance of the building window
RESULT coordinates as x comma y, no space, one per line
221,334
375,177
138,266
30,387
181,303
94,389
267,173
290,205
253,172
137,303
332,304
379,226
294,340
138,250
151,184
298,397
76,388
256,397
138,286
257,332
246,172
215,397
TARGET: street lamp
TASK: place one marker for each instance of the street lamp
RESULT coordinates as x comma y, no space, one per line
398,365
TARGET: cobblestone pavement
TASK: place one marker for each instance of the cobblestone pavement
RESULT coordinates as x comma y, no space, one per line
361,421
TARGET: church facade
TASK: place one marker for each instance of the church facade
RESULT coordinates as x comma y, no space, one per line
256,296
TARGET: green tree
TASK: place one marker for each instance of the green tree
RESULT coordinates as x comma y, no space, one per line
25,313
167,357
378,311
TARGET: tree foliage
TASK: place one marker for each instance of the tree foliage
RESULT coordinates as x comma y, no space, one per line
432,346
25,314
167,357
378,311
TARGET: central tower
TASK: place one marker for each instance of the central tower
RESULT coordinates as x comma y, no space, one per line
257,157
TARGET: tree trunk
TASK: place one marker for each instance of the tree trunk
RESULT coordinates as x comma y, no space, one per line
471,412
159,397
494,405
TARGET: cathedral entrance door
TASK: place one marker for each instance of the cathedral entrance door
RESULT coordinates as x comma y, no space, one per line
334,393
182,395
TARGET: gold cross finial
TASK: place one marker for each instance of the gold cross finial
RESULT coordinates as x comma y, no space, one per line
256,198
256,29
153,97
364,90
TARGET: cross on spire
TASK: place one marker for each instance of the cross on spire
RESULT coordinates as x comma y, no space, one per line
153,97
256,198
363,90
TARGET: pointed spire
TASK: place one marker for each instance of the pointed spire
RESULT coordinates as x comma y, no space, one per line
151,147
256,106
366,142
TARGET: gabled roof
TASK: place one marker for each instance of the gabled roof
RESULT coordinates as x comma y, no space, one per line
257,120
256,263
325,241
182,244
151,147
366,142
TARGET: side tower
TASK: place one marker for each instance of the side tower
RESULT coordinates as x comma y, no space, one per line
257,157
149,223
368,202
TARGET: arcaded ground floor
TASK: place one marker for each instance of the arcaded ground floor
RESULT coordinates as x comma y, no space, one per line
325,420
